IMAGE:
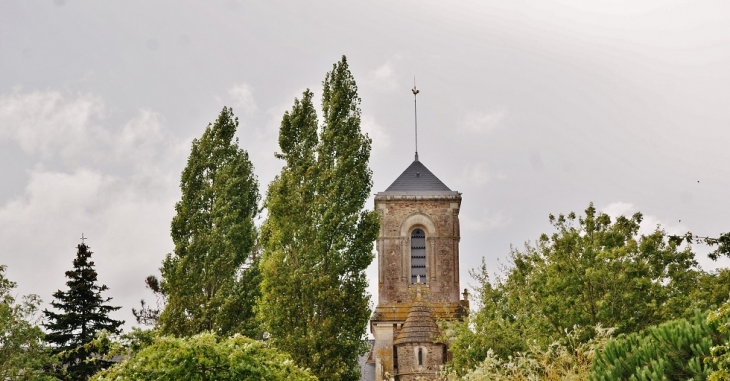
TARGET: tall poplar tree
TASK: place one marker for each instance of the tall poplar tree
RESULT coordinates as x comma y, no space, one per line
211,280
317,239
83,313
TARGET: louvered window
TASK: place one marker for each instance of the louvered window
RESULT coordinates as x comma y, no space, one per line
418,256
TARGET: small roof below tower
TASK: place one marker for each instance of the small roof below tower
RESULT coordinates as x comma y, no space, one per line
417,178
419,327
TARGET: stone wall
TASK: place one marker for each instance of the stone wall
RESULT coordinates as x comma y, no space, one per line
408,368
439,218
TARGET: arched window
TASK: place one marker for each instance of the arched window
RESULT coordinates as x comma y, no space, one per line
420,357
418,256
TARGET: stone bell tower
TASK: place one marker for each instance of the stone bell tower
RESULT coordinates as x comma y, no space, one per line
418,275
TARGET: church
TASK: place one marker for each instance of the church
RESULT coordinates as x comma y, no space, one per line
418,276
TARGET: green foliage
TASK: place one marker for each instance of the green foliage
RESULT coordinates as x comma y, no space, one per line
720,353
83,314
722,243
675,350
493,332
317,240
211,281
592,271
23,354
559,361
203,357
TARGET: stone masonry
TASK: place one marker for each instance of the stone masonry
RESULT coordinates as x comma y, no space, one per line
417,209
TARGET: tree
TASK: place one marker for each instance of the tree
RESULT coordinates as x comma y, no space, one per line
674,350
211,280
722,243
23,353
317,240
557,362
204,357
83,314
592,271
720,352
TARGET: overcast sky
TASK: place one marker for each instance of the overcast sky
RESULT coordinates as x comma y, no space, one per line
526,107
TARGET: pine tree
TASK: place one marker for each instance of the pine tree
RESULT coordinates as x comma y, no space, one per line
674,350
210,282
83,313
317,239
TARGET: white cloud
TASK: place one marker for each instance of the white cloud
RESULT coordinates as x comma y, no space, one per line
478,174
618,208
122,195
378,133
485,221
48,122
242,99
649,222
479,122
384,77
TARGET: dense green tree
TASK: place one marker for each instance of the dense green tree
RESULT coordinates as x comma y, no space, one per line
211,280
317,239
23,353
674,350
592,271
83,314
720,352
205,357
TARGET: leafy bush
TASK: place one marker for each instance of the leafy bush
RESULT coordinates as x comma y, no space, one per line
206,357
559,361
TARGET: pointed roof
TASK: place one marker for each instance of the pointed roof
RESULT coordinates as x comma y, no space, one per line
417,178
419,327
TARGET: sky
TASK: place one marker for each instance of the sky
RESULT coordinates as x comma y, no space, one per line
526,107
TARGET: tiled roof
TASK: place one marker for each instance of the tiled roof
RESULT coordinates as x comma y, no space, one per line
417,178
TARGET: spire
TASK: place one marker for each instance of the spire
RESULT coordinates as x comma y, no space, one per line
417,178
415,112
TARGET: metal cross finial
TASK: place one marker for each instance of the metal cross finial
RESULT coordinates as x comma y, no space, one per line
83,238
415,111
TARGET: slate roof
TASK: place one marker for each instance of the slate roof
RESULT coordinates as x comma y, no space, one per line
417,178
367,369
419,326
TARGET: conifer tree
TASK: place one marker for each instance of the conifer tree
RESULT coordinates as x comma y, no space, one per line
83,313
674,350
211,281
318,240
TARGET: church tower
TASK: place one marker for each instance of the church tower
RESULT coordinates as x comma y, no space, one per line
418,275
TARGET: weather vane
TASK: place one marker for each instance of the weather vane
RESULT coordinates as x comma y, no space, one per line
83,239
415,111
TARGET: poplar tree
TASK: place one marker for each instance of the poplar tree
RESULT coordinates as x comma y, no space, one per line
211,281
83,314
317,240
